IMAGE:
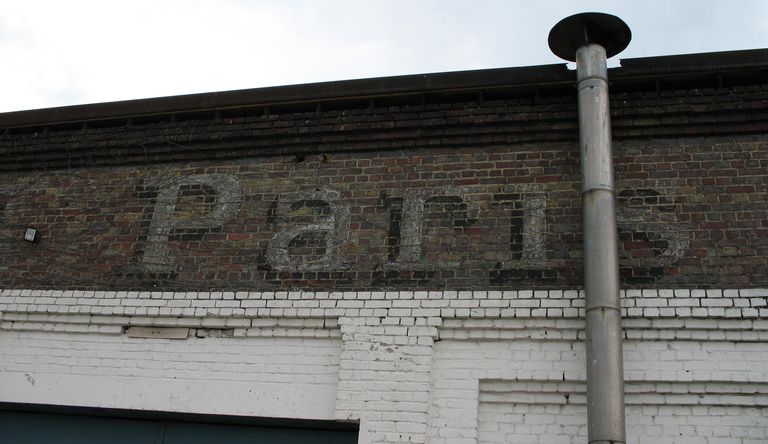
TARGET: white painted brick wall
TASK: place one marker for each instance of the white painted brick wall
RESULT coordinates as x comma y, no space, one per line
410,366
646,424
276,377
672,412
691,380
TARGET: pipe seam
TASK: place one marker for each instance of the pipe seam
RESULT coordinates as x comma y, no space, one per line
603,307
597,188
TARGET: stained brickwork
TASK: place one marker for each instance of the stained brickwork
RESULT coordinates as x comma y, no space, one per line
692,213
470,187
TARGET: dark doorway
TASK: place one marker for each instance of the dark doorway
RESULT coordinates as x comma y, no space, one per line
37,424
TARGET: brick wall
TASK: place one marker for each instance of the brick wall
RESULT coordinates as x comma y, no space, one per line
207,372
668,419
456,193
532,391
431,366
692,214
411,262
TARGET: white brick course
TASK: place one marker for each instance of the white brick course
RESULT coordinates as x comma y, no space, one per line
410,366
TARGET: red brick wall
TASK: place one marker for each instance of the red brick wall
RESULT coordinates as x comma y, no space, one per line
444,196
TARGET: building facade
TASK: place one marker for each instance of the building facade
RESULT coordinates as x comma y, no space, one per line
399,254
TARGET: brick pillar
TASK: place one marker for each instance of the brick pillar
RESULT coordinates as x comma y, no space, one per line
384,377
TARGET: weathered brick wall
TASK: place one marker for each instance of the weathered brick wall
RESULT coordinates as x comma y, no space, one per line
692,213
463,194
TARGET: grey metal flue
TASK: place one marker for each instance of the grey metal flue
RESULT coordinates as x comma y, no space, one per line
589,39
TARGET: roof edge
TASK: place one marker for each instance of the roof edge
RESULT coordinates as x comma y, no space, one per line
711,61
542,75
309,92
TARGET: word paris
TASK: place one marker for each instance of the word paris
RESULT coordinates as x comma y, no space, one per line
525,226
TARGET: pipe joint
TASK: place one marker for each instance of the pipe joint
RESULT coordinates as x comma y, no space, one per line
591,62
602,307
595,187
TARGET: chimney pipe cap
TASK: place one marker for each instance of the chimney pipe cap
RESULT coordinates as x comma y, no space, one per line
571,33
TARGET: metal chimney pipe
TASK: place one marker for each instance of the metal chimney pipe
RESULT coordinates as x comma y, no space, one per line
588,39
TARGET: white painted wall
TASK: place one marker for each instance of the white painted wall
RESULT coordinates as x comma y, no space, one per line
411,367
533,392
274,377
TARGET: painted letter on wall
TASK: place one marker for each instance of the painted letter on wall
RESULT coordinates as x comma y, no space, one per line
406,251
299,229
228,199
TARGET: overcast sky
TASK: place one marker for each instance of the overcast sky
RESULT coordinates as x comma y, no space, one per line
64,52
